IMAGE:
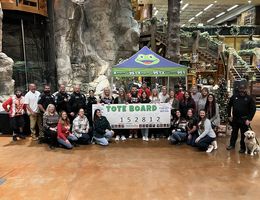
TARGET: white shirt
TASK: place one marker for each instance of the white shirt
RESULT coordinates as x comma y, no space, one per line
163,97
32,99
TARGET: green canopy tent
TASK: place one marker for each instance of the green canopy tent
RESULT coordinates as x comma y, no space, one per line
146,63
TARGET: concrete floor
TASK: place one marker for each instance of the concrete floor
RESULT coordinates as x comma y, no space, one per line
127,170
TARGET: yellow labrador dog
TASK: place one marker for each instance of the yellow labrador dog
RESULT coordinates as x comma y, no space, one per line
251,143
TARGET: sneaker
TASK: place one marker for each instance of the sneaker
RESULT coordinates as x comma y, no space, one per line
230,147
144,138
214,144
14,138
130,136
152,137
210,149
157,138
117,138
136,136
169,138
123,138
242,151
34,138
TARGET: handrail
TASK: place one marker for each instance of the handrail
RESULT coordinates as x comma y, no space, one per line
236,71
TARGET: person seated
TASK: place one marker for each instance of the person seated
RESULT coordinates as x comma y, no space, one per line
102,132
179,133
191,127
65,137
207,137
50,122
80,128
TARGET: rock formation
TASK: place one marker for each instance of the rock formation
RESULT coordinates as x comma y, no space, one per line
6,67
91,36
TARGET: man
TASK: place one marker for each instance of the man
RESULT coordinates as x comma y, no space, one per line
163,95
132,97
45,99
62,99
31,100
144,88
77,101
243,110
16,108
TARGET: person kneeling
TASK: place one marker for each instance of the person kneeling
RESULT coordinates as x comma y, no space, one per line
80,128
65,138
207,137
102,130
179,133
50,121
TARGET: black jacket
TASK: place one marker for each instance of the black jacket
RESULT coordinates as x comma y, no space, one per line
46,99
243,108
100,125
77,101
90,102
60,102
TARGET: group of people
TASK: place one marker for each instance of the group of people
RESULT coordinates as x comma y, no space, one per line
66,119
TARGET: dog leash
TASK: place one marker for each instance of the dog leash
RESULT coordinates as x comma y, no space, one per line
250,128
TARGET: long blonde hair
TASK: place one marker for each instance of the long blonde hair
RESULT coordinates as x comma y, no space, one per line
47,112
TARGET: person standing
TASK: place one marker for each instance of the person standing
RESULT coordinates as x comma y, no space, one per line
16,108
77,100
106,97
145,99
212,111
144,88
62,99
196,95
45,99
203,99
243,110
163,96
31,100
90,101
186,104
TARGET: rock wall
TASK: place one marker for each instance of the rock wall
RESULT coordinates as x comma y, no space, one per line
90,37
6,67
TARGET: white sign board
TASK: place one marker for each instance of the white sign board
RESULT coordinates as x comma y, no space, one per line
129,116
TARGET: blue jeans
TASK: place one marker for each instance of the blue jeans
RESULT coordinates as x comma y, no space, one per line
71,137
204,142
178,136
192,140
145,132
104,140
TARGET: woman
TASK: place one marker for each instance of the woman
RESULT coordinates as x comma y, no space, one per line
203,99
155,96
121,99
145,99
50,122
186,104
65,138
195,94
106,97
179,133
90,101
102,129
174,102
207,137
212,111
80,128
191,127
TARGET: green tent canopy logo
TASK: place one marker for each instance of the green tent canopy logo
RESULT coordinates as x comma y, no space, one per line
148,59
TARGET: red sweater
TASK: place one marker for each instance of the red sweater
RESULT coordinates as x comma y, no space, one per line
15,106
63,131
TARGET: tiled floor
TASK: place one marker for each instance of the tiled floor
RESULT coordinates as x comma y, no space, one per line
127,170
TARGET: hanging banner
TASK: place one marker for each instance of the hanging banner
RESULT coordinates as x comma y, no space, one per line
136,116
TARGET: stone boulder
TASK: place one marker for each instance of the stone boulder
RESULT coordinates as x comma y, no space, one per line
91,36
6,72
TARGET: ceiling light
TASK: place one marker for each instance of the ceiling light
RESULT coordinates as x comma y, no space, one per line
185,6
199,14
182,25
181,2
156,12
211,19
215,1
231,8
208,7
191,19
249,1
154,8
220,14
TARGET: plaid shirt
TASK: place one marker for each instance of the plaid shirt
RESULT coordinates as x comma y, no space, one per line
80,126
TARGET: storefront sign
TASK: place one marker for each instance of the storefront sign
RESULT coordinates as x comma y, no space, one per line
128,116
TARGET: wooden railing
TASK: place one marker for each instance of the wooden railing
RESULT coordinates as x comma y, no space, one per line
31,6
